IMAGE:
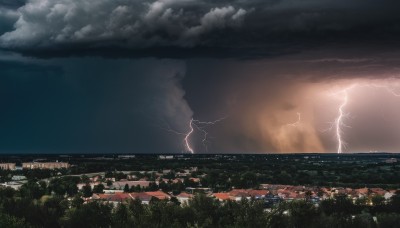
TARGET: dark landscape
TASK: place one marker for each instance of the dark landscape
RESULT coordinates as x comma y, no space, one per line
210,190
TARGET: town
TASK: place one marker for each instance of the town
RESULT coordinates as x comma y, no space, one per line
151,179
129,186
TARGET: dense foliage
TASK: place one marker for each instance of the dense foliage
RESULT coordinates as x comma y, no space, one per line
32,207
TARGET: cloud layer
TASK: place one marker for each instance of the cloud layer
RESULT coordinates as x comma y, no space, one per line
48,24
174,28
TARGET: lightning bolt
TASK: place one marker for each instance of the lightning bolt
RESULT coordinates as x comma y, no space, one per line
195,125
338,124
297,123
187,136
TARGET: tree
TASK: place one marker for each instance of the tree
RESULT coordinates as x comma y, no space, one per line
205,209
388,220
175,201
361,201
122,217
98,188
52,209
340,204
395,202
12,222
363,220
139,212
93,214
308,195
77,201
85,179
378,200
87,191
64,185
71,189
126,188
32,190
302,213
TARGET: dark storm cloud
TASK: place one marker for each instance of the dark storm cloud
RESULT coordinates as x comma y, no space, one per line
12,3
179,28
73,105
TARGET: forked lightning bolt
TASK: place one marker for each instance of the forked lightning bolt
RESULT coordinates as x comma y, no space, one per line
187,136
193,125
338,124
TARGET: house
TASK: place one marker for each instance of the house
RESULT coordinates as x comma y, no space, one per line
184,197
92,184
238,194
388,195
7,166
121,184
16,185
159,195
112,191
18,178
45,165
377,191
258,193
115,199
120,197
198,190
166,171
222,196
362,191
142,196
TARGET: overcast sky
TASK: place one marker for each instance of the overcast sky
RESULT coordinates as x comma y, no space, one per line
123,76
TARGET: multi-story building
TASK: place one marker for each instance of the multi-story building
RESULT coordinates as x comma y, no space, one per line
9,166
45,165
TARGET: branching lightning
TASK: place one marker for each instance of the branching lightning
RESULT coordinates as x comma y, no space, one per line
338,124
195,125
297,123
187,136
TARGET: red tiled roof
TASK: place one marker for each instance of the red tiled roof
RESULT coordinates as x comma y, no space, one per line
222,196
159,194
258,193
239,193
362,190
141,195
119,197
